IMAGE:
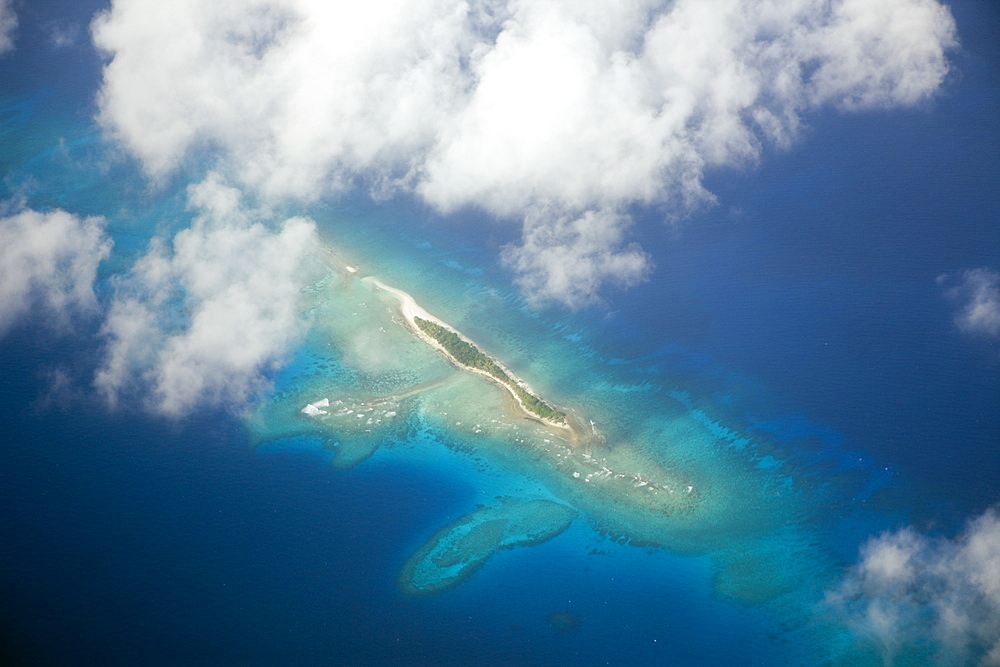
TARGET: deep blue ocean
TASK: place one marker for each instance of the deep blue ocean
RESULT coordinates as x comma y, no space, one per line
803,308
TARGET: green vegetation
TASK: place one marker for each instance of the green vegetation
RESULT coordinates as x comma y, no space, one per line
470,356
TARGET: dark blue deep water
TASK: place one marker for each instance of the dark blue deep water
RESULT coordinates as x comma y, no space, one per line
807,297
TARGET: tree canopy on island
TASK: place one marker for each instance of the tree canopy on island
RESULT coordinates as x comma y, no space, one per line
467,354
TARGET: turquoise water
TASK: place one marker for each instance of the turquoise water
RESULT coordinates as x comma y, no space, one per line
792,362
758,500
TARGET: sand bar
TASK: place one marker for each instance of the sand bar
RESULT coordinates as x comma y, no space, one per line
411,310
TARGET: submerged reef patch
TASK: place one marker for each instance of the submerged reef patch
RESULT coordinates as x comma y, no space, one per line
453,553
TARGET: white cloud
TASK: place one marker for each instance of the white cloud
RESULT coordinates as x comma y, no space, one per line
8,25
977,296
566,258
204,318
577,107
928,599
48,262
879,54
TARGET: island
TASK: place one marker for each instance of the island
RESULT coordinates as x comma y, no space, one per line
625,490
465,354
382,374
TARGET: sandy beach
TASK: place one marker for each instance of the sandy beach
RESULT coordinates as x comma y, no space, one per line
410,309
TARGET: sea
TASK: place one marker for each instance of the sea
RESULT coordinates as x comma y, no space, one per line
793,353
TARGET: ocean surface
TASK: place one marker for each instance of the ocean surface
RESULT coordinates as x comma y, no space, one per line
792,358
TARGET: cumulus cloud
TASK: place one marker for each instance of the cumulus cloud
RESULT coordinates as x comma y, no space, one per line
8,24
933,600
976,292
566,258
204,317
48,263
582,108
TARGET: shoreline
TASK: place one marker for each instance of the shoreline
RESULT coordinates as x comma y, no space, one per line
411,310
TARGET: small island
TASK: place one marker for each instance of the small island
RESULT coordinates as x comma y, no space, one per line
465,354
626,495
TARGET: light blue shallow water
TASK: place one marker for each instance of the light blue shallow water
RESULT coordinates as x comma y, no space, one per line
798,326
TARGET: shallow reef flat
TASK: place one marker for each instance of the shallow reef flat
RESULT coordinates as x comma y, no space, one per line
639,462
456,551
